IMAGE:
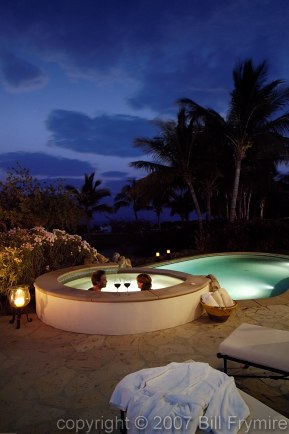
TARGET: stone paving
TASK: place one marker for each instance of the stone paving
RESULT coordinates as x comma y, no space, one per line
54,381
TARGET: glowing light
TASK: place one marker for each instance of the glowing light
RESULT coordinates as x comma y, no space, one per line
19,296
19,301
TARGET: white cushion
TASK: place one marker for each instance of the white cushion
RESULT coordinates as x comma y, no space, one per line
262,419
257,344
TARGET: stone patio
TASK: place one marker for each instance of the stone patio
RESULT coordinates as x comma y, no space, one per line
54,381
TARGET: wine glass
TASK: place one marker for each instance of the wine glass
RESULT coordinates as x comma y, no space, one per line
117,284
127,285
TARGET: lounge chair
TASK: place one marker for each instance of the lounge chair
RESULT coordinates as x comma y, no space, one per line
262,419
257,346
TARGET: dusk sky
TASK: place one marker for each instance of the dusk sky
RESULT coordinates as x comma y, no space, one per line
80,79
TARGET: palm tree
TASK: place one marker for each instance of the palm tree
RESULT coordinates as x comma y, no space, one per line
208,186
155,193
89,196
175,153
130,195
258,182
180,203
256,116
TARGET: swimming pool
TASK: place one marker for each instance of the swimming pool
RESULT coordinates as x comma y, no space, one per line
244,275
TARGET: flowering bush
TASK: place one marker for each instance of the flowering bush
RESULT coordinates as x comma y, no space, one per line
26,254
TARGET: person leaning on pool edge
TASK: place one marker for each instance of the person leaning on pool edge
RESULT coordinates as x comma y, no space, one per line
144,282
98,280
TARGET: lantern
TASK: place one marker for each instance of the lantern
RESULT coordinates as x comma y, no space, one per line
19,297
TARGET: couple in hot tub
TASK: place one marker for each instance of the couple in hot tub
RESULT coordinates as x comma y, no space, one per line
99,281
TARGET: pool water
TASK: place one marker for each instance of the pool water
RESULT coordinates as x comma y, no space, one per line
244,276
158,281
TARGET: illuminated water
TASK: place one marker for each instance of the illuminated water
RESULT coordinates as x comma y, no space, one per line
158,281
245,276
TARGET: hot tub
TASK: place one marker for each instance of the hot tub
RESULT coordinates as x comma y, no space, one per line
175,303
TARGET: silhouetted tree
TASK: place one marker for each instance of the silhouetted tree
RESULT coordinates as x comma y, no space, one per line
256,116
26,203
175,153
180,203
130,195
88,198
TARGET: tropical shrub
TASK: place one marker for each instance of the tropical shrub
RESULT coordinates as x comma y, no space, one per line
27,253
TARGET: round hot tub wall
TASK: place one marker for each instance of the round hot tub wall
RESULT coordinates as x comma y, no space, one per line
109,313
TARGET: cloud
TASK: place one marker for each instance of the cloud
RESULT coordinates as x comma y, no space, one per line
114,174
161,90
19,75
43,165
183,49
103,135
115,186
202,48
157,52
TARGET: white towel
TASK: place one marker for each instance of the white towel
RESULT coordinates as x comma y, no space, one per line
226,401
208,299
218,298
227,300
214,284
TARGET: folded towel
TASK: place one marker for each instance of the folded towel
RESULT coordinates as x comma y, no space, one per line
218,298
208,299
227,300
214,284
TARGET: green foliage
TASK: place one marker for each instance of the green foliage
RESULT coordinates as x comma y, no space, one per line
26,254
26,203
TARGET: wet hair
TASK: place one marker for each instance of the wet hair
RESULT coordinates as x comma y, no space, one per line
96,276
146,281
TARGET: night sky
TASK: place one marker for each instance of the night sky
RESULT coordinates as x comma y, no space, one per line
80,79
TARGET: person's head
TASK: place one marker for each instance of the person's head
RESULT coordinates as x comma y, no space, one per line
144,281
98,278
